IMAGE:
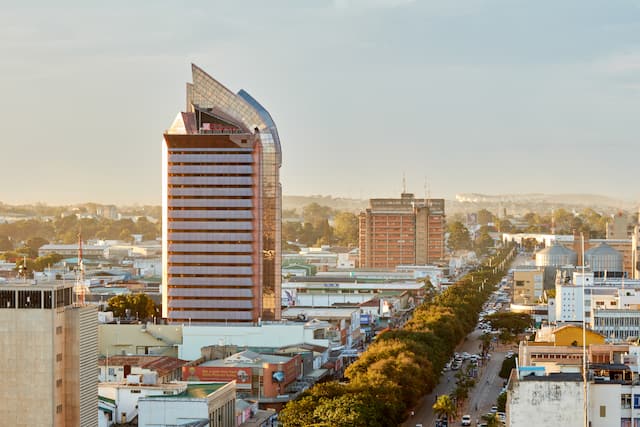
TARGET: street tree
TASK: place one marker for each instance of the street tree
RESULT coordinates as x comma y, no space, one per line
444,407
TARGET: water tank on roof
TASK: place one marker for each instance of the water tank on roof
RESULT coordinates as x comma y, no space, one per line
604,258
556,255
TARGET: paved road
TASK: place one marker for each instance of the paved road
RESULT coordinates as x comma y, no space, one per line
483,395
487,388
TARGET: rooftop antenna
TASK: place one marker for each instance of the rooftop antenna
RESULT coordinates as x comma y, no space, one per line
584,342
80,287
404,183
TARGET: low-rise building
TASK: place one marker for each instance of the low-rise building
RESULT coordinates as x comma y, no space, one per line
117,368
206,405
263,377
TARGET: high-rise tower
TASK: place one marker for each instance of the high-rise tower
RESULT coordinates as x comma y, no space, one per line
221,209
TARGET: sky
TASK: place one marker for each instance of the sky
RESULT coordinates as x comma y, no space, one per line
485,96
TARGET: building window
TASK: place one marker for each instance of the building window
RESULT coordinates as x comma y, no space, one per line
636,401
58,330
59,357
603,411
59,383
625,401
59,409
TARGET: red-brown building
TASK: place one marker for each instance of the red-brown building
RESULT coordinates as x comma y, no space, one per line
264,377
402,231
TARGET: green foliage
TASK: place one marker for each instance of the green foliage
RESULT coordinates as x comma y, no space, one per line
345,226
458,236
484,217
315,214
492,420
513,323
501,402
507,365
401,365
483,241
444,407
140,305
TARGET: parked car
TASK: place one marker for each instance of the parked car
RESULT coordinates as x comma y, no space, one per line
466,420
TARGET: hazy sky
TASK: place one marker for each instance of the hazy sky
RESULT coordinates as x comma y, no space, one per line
471,95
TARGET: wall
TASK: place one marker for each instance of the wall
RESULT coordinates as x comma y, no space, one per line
162,340
281,334
549,403
162,412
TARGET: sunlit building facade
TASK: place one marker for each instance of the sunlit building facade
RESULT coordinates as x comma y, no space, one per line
221,209
404,231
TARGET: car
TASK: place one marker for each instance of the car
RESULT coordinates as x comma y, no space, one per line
466,420
510,354
494,409
502,417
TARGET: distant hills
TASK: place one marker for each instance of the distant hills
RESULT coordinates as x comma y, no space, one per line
496,203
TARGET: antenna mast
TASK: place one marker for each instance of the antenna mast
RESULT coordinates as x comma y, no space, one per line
80,276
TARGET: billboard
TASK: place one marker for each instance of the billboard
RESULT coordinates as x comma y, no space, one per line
242,376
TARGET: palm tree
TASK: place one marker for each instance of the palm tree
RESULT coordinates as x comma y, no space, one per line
444,407
492,420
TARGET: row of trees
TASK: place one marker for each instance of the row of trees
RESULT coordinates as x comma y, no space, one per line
315,228
401,365
34,233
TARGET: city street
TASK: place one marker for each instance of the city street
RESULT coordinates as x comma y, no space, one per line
483,395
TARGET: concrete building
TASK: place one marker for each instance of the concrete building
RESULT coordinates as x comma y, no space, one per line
139,339
221,209
548,400
402,231
163,368
527,285
268,335
89,251
48,357
263,377
213,403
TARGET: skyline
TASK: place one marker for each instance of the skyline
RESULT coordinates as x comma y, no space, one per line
89,90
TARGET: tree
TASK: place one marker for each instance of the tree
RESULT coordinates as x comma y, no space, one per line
507,365
428,289
315,214
504,225
444,407
514,323
492,420
139,306
484,241
346,228
484,217
501,402
458,236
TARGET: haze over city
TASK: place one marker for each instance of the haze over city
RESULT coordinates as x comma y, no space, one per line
485,96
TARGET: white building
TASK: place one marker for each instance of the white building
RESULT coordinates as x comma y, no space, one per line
268,335
212,402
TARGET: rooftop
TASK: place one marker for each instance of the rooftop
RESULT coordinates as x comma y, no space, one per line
193,391
161,364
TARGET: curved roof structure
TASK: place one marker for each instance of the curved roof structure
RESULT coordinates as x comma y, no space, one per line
602,249
556,249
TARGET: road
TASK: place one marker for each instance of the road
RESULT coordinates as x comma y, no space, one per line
487,388
483,395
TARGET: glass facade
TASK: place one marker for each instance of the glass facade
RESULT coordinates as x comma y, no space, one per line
222,209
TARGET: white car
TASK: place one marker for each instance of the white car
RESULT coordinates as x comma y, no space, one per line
466,420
